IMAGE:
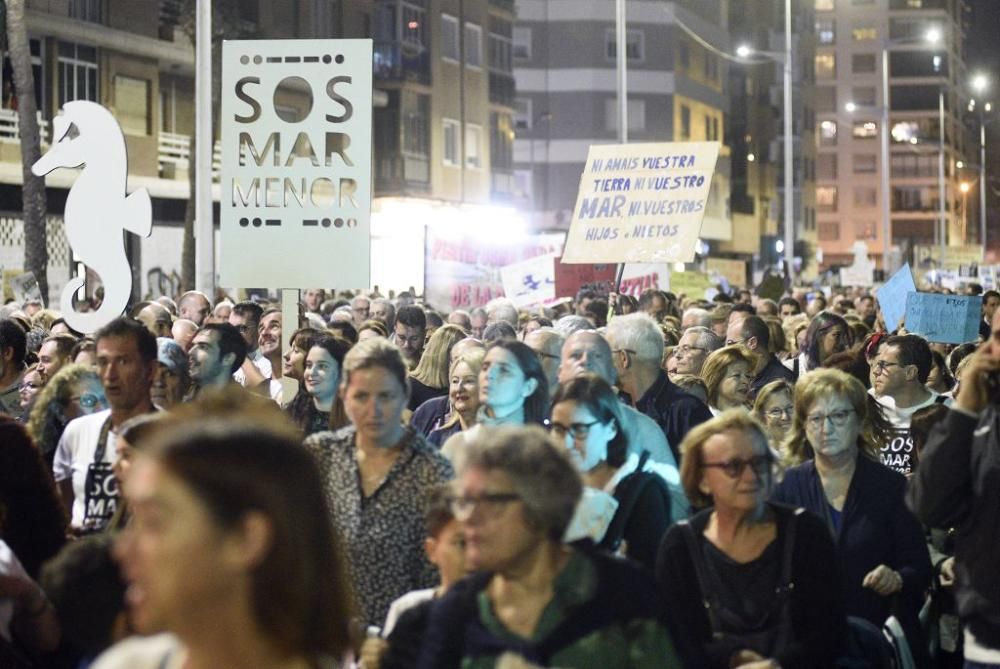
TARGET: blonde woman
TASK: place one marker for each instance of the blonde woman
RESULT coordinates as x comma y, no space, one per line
430,378
74,391
727,374
774,408
463,395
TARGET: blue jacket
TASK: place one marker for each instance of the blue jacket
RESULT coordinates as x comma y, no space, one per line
875,528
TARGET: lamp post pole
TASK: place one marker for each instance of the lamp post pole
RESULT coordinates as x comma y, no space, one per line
884,132
942,195
982,181
789,161
622,63
204,226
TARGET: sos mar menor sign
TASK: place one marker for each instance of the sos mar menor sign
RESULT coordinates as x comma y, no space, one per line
296,163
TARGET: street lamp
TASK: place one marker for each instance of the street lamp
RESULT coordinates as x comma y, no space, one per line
785,59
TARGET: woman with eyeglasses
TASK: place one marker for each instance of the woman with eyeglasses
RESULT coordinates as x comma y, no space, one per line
586,417
774,408
747,582
827,334
31,384
74,391
376,471
880,544
534,601
513,390
727,374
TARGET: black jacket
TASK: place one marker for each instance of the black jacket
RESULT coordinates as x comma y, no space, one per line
958,485
674,410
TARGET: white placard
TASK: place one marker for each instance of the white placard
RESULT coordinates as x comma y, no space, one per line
531,281
296,163
861,273
641,203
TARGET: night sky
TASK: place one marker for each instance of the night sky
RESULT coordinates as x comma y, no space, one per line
984,43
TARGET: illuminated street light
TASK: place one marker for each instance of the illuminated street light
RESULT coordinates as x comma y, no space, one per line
743,51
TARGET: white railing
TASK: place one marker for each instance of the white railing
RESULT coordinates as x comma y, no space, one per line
10,127
175,149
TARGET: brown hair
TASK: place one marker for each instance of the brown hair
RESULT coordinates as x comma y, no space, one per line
714,370
693,449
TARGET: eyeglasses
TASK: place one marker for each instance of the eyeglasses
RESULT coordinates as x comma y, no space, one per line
777,414
492,503
685,349
838,418
733,342
89,401
882,365
28,385
580,431
761,465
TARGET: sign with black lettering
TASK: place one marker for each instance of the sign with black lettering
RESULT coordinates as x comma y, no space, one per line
295,184
899,453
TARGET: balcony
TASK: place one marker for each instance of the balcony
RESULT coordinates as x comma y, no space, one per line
10,127
394,61
402,174
502,89
505,5
175,155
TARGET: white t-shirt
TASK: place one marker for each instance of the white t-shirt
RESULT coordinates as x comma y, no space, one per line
262,364
9,566
75,452
152,652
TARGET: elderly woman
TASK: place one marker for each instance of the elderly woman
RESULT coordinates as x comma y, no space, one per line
826,335
229,551
728,373
536,601
374,472
774,408
74,391
746,582
463,394
430,378
880,545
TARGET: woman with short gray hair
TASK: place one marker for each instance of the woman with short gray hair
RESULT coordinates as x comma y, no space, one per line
533,598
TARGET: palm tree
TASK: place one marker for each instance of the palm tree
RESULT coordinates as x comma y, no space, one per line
36,256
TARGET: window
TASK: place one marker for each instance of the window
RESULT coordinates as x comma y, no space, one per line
685,122
865,230
522,114
77,73
865,163
522,43
828,232
451,149
416,124
473,146
864,33
710,66
826,166
826,198
864,130
500,54
826,65
636,114
9,100
685,54
449,37
132,105
826,31
863,96
905,132
825,5
473,45
826,98
910,165
828,133
413,31
863,63
86,10
634,45
501,142
865,197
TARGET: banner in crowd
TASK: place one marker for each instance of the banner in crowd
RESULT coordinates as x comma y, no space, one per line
733,271
691,284
892,296
530,282
945,319
465,272
954,256
600,278
641,202
296,163
640,276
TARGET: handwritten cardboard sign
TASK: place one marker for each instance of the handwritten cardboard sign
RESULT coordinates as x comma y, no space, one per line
691,284
892,296
571,278
530,281
948,319
641,202
733,271
296,176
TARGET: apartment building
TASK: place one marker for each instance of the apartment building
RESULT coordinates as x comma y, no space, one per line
564,66
851,36
756,134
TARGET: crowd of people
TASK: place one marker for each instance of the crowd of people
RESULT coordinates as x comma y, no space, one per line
608,482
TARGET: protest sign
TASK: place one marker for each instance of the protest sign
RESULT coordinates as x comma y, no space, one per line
571,278
462,272
638,277
771,288
641,202
25,288
929,255
947,319
530,281
892,296
862,271
733,271
691,284
296,163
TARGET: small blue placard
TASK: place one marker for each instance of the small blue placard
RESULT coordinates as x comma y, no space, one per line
947,319
892,296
